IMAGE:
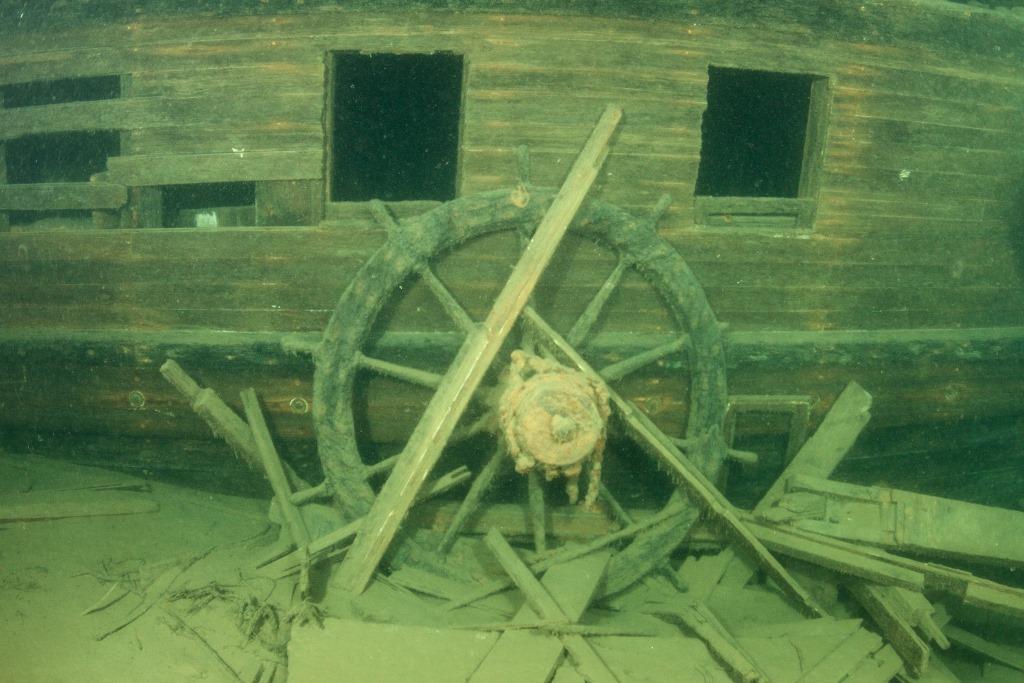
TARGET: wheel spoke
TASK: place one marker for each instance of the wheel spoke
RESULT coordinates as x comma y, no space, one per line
423,378
480,486
535,495
626,366
614,507
478,426
444,296
581,328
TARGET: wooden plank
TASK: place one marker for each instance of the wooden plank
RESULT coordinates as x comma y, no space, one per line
844,659
273,468
289,202
893,623
170,169
48,196
696,616
323,546
5,222
913,522
466,372
880,667
128,113
1008,656
841,559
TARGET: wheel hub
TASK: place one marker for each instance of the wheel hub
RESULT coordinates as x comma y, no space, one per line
551,416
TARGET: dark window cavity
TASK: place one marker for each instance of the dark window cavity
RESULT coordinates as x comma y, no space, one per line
395,126
39,93
754,133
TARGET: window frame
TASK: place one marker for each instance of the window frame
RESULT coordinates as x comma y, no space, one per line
774,213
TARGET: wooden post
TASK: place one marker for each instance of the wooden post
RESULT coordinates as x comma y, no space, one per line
222,420
272,466
472,362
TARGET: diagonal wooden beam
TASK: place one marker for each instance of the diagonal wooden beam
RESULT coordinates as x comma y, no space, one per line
472,362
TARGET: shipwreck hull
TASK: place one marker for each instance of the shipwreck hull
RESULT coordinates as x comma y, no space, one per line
895,261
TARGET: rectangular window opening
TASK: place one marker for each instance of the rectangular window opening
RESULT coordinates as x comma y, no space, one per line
762,137
394,126
209,205
58,158
38,93
69,157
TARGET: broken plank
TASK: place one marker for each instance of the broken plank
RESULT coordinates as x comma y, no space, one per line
889,616
572,585
913,522
221,419
702,574
842,558
543,603
822,453
921,614
569,553
877,565
273,468
702,621
478,350
320,548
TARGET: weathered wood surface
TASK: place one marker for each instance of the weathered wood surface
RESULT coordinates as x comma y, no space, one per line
1009,656
274,469
898,631
545,605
